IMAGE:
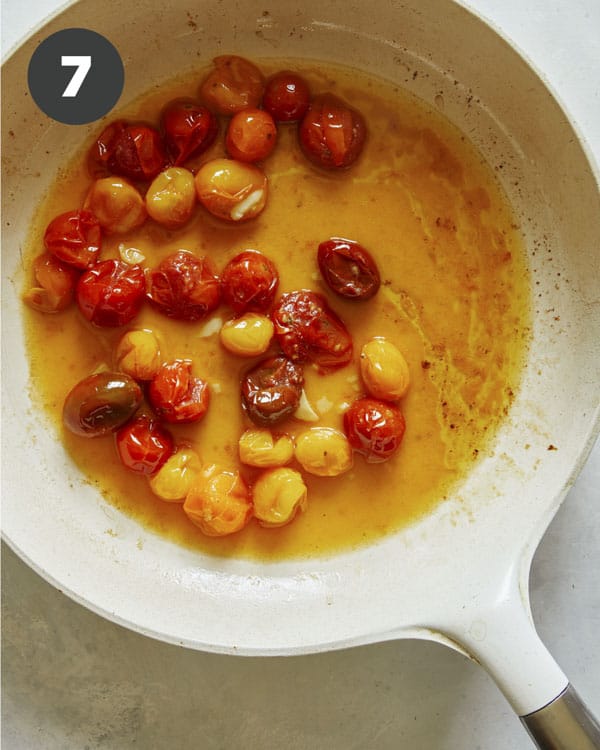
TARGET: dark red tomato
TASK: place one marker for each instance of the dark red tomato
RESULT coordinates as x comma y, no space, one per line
249,282
184,286
111,293
101,403
176,395
286,96
74,238
251,135
133,150
144,445
374,428
332,134
348,269
56,284
189,129
271,391
308,329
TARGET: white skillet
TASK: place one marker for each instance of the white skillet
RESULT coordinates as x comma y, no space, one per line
460,577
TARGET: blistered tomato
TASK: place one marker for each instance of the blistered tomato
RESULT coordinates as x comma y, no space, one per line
74,237
251,135
184,286
189,129
133,150
332,134
348,269
271,390
308,329
286,96
234,84
144,445
249,282
374,428
176,395
111,293
56,285
219,502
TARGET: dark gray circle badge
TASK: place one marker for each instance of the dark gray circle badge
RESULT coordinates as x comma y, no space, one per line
76,76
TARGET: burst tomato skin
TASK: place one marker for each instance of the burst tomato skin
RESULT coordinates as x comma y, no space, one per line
56,284
75,238
348,269
189,129
251,135
184,286
374,428
132,150
332,134
111,293
233,84
308,329
286,96
176,395
271,390
144,445
249,282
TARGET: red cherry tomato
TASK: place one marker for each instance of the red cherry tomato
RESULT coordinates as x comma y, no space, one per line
249,282
271,391
251,135
56,284
374,428
143,445
133,150
184,286
176,395
348,269
189,129
308,329
74,238
332,134
111,293
286,96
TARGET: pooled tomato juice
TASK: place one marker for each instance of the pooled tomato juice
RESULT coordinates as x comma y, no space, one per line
453,298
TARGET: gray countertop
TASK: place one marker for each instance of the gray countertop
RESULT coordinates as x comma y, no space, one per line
71,679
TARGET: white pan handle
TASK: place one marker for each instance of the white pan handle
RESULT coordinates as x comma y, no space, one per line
564,724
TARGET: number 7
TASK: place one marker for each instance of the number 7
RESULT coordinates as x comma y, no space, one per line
83,63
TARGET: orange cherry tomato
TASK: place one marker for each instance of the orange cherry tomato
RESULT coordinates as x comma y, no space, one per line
231,190
144,445
219,503
374,428
56,284
176,395
251,135
74,237
234,84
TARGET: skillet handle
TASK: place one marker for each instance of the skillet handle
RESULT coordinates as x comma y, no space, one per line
564,724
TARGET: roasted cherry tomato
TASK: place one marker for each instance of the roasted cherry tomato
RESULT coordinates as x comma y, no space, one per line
251,135
75,238
184,286
271,390
348,269
56,284
234,84
133,150
308,329
176,395
111,293
231,190
374,428
189,129
101,403
332,134
144,445
286,96
249,282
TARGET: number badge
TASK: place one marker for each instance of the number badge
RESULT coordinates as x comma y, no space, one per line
76,76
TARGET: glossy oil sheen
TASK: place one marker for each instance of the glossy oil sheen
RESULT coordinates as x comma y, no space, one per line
454,299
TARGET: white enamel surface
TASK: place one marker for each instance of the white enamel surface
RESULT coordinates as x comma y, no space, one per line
459,576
